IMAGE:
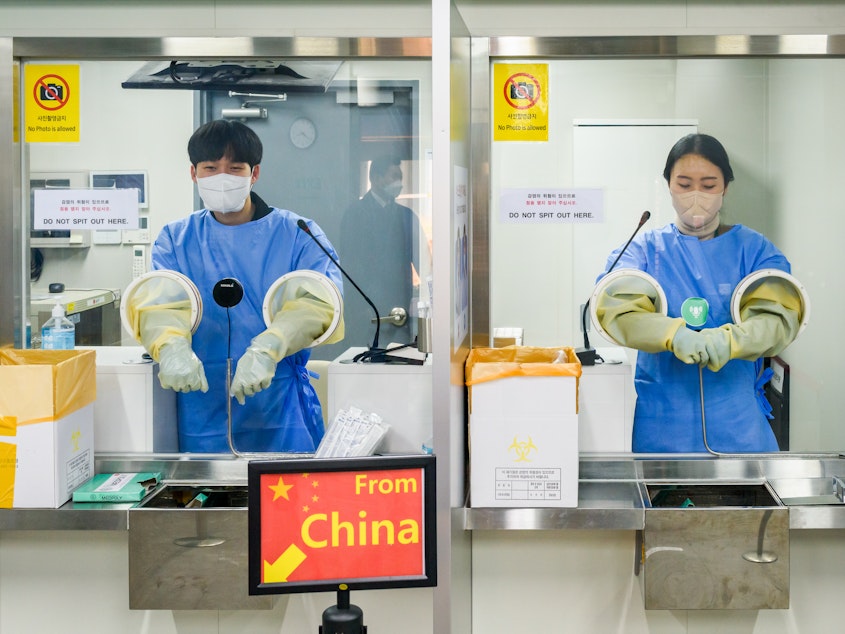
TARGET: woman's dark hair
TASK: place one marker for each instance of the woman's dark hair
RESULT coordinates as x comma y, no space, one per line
216,139
702,145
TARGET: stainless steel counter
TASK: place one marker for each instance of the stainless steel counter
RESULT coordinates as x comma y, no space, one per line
611,490
611,493
175,468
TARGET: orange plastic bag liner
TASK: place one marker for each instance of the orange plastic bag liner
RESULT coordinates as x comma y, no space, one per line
38,386
489,364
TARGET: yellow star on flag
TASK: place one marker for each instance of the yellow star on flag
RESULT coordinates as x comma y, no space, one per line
281,489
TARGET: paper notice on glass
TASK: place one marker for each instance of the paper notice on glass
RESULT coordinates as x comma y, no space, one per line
537,205
66,209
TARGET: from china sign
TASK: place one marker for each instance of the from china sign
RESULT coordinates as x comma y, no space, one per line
330,526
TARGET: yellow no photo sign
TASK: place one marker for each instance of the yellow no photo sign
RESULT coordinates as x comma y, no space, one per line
520,102
51,103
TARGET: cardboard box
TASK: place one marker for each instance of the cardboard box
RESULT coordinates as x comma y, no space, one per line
47,407
523,427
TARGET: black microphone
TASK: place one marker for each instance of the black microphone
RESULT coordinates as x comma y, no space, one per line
302,225
588,355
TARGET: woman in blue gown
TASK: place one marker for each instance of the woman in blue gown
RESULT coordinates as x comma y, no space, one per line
698,256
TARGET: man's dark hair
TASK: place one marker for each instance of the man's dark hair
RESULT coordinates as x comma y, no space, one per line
381,164
216,139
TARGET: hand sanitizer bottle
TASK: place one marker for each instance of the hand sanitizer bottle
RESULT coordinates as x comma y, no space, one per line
58,332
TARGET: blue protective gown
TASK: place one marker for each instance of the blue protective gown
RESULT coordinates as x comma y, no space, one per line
667,417
285,417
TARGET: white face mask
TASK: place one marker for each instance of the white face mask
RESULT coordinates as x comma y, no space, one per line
698,212
393,189
224,193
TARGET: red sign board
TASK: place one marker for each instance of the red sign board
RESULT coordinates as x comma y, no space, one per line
329,522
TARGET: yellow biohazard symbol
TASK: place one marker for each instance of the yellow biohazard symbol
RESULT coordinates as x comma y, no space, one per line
522,449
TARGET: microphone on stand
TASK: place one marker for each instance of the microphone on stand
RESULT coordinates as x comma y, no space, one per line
588,355
374,353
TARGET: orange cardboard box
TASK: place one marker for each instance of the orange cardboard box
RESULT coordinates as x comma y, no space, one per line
46,425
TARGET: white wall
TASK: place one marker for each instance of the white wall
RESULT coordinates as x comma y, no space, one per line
104,18
806,133
413,18
650,17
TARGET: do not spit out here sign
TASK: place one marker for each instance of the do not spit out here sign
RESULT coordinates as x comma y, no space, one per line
66,209
567,206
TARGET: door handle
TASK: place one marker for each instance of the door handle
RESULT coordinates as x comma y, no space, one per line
398,316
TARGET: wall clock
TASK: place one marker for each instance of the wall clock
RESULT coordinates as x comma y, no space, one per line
303,133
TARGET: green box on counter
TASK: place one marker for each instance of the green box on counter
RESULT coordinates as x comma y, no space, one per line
46,425
117,487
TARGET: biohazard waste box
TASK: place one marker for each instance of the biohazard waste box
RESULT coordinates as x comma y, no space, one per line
46,425
523,426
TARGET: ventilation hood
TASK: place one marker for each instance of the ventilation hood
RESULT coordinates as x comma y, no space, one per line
272,75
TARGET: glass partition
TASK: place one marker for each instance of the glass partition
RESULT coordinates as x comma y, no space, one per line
320,138
346,130
616,106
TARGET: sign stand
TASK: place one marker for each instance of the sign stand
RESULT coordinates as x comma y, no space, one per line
343,618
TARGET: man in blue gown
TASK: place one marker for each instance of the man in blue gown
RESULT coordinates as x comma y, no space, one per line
237,235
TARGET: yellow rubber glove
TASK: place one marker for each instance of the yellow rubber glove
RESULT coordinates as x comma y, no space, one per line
627,313
690,347
179,367
157,325
718,347
160,317
296,326
770,315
